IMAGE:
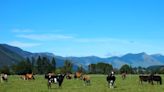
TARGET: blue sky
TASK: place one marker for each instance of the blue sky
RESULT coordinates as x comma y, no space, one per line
83,27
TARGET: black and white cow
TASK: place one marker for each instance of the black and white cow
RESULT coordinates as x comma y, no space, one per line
111,80
4,77
57,79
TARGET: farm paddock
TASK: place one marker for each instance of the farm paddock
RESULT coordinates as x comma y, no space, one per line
98,84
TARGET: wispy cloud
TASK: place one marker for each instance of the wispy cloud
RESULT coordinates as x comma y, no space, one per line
22,30
102,40
23,44
45,37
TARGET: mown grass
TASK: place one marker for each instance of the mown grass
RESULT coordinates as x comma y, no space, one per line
98,84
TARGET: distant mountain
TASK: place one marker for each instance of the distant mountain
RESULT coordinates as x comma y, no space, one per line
16,50
140,59
158,57
10,55
155,67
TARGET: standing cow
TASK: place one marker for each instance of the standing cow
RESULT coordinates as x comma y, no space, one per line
27,77
57,79
4,77
78,75
150,79
111,80
86,80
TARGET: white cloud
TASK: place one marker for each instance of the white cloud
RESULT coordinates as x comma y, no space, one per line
45,37
22,30
23,44
102,40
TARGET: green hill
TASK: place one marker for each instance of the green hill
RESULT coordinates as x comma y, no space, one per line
8,57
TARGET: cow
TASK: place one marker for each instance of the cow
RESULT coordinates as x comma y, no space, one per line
123,75
78,75
86,80
144,78
68,76
27,77
52,78
150,79
156,78
111,80
4,77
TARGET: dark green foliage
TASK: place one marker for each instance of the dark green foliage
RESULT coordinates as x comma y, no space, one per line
41,65
100,68
53,62
68,65
44,65
92,68
126,69
5,69
23,67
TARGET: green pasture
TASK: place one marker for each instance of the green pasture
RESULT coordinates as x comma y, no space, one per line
98,84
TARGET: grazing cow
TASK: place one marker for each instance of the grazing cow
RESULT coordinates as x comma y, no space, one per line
78,75
156,78
4,77
150,79
144,78
86,80
123,75
27,77
111,80
68,76
52,78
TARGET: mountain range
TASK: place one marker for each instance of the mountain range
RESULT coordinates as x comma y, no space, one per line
10,55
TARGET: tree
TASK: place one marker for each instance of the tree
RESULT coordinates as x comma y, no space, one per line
108,68
43,65
161,71
53,63
5,69
23,67
67,66
33,62
39,65
125,69
28,65
101,68
92,68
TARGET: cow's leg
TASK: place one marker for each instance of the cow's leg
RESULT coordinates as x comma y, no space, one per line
88,82
152,82
108,84
111,84
49,85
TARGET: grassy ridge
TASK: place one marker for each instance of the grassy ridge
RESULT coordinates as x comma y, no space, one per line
98,84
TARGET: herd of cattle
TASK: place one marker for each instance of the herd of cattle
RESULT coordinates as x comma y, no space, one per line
58,78
150,79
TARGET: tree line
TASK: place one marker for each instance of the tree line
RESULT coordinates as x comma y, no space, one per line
38,65
43,65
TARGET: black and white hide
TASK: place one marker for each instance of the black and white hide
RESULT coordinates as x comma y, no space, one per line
4,77
56,79
111,80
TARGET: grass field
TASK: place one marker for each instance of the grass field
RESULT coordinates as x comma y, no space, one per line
98,84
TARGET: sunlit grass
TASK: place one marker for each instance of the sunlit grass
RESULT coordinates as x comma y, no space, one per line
98,84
